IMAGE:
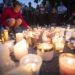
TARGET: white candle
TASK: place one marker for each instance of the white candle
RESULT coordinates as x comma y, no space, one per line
30,34
59,44
21,49
10,45
67,64
5,60
31,63
19,36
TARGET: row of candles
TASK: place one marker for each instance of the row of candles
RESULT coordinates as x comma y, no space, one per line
44,50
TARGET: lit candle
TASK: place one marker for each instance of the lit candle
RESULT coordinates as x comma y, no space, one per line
59,44
45,50
31,68
62,31
19,36
67,64
30,34
5,60
4,36
68,34
30,37
29,65
46,36
10,45
73,33
21,49
59,47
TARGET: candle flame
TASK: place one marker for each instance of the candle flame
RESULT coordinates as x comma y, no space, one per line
70,61
34,67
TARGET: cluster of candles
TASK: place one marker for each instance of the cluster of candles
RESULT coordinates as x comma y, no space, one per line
54,35
47,38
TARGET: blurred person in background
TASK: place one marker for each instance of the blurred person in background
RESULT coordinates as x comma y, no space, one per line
8,2
37,13
72,18
42,14
12,17
48,9
30,14
62,12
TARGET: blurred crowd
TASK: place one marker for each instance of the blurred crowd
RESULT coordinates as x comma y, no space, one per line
45,13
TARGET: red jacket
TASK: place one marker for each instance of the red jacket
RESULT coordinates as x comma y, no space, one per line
9,13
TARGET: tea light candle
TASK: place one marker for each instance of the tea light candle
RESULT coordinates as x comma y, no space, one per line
67,64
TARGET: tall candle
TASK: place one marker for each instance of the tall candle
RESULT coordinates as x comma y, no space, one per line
67,64
21,49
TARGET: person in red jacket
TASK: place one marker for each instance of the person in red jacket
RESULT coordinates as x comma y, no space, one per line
12,18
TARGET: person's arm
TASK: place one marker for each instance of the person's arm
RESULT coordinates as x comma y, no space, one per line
4,17
23,21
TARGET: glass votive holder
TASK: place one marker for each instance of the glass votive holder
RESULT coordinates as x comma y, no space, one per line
31,64
21,49
46,51
59,47
67,64
10,45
